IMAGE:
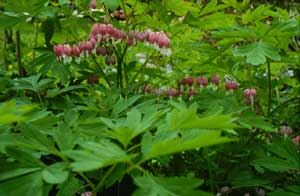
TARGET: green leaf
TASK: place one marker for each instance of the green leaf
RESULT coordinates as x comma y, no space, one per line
56,173
96,155
189,140
69,187
247,179
11,112
188,119
275,164
123,104
250,120
9,19
11,173
281,193
179,7
168,186
64,137
111,4
56,91
32,83
25,157
125,130
27,185
257,52
288,157
34,137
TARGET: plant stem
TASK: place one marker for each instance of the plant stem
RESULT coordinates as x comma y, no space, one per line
124,8
269,88
101,71
90,183
120,71
142,67
18,54
101,183
40,98
36,34
5,51
209,170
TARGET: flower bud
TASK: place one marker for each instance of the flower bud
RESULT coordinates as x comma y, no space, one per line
93,4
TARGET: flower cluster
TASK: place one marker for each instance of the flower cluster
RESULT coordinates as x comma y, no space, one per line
186,86
103,35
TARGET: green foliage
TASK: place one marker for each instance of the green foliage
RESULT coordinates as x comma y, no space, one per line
166,186
257,53
69,128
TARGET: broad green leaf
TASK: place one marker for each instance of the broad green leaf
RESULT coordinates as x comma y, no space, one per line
234,32
250,120
257,53
188,119
29,6
94,155
27,185
111,4
62,2
11,173
26,158
64,137
168,186
288,157
56,173
34,137
285,28
179,7
134,124
123,104
285,148
275,164
281,193
11,112
247,179
56,91
188,141
9,19
69,187
210,7
33,83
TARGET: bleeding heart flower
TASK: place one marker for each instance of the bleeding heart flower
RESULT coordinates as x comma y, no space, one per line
202,81
296,140
215,79
93,4
286,130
